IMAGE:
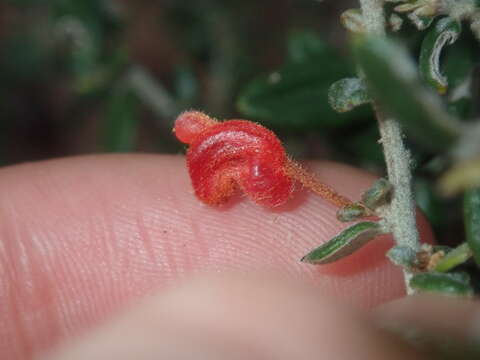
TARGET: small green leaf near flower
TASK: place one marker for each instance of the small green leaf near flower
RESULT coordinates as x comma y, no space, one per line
344,244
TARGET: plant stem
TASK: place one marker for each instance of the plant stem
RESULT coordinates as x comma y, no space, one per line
373,16
400,214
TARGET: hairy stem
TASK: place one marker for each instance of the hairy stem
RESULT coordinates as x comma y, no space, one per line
400,214
313,184
373,16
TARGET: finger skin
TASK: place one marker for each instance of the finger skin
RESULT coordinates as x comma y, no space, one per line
83,237
440,317
232,317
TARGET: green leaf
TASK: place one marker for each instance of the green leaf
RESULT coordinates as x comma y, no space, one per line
346,94
304,46
471,209
344,244
457,283
445,32
351,212
296,96
453,258
392,77
402,256
378,194
395,22
421,13
121,121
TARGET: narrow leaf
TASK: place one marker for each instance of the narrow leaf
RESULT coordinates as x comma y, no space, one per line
344,244
445,32
411,6
378,194
392,77
351,212
454,258
457,284
346,94
471,209
395,22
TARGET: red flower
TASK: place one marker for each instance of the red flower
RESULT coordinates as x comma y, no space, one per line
238,153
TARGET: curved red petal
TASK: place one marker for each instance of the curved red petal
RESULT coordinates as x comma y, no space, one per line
239,153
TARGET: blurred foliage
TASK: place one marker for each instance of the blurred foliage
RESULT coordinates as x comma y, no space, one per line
70,82
294,96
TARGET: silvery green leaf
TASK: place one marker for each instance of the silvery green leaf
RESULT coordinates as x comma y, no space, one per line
402,256
421,7
344,244
346,94
456,284
378,194
392,79
445,32
395,22
408,7
351,212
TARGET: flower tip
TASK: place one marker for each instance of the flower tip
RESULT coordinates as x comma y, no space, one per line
190,124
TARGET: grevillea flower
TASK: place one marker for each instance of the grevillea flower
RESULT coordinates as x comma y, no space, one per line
225,156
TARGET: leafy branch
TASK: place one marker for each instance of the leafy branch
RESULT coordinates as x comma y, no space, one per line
388,80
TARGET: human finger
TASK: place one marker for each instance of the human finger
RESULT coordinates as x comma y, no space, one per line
81,238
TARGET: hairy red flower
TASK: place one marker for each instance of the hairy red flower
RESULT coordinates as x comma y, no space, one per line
239,153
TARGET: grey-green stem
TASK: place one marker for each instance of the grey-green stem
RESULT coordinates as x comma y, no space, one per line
400,214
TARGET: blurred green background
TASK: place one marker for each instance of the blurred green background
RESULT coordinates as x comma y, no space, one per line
86,76
111,75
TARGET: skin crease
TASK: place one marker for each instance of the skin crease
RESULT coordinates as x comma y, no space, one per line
82,238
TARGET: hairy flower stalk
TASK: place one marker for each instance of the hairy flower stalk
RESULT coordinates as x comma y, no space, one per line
400,214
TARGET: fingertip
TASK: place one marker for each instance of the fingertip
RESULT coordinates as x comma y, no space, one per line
101,232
